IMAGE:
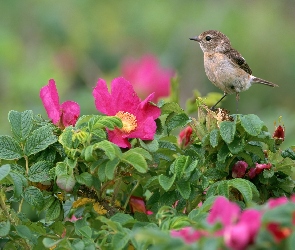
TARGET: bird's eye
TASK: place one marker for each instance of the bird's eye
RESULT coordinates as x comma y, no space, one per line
208,38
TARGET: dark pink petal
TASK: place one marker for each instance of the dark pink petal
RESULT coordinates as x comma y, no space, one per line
50,100
184,137
252,173
223,211
274,202
145,129
279,133
70,113
188,234
117,137
103,99
260,167
137,204
145,108
252,218
123,96
239,169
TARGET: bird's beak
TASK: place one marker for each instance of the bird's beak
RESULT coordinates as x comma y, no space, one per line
196,38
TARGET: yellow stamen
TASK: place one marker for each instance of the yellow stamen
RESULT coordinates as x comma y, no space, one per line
129,121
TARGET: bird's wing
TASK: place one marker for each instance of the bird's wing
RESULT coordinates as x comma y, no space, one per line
237,58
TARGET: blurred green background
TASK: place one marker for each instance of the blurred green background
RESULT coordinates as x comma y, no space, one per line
78,41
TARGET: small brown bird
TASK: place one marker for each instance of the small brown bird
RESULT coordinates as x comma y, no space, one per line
224,66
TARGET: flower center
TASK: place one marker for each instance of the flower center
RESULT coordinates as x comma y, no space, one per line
129,121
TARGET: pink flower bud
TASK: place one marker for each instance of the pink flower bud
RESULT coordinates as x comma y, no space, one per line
239,169
184,138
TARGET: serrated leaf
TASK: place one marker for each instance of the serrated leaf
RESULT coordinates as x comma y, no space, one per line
122,218
268,173
53,211
227,131
120,240
257,150
252,124
85,232
142,152
85,178
285,166
136,160
66,182
111,150
34,197
10,149
39,171
23,231
151,146
111,167
21,123
65,138
180,164
244,188
18,183
40,139
236,146
214,137
184,188
166,182
4,171
179,120
4,228
223,189
170,107
50,243
223,153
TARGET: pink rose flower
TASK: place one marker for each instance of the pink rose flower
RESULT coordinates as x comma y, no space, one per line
62,115
138,117
239,169
147,76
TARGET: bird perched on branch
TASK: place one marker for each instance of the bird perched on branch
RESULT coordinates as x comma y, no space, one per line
224,66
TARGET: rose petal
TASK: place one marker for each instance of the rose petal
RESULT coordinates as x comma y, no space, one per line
50,100
70,113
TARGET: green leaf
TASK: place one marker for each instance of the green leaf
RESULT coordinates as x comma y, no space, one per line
85,178
23,231
18,183
170,107
39,171
136,160
227,131
120,240
236,146
4,171
252,124
111,150
284,166
257,150
244,188
166,182
99,121
10,149
151,146
179,120
4,228
223,189
85,232
40,139
34,197
180,164
21,124
122,218
223,153
65,138
214,137
66,182
111,167
53,211
142,152
50,243
184,188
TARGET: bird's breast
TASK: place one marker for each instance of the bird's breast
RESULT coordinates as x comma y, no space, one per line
225,74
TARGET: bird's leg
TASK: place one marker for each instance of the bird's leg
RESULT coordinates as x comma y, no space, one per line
213,107
237,100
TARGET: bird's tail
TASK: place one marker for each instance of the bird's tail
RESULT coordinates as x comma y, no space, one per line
261,81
